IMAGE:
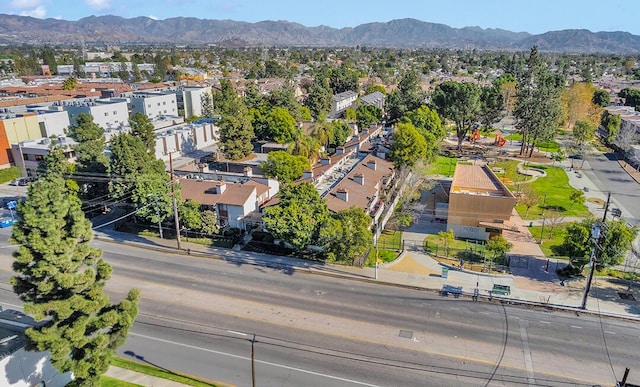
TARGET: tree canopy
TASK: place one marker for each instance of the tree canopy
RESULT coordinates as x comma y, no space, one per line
346,235
613,244
298,216
408,146
459,102
284,166
61,279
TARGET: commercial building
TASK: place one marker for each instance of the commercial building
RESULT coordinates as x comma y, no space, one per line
108,113
154,104
185,138
190,100
480,205
28,154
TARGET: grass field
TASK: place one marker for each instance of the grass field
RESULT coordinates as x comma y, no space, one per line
389,245
551,238
554,191
106,381
442,165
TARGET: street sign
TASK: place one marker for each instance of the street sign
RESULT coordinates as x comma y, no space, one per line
12,204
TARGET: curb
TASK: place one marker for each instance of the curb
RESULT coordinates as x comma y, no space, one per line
310,270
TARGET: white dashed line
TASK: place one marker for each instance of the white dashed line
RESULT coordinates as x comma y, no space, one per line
576,327
544,322
609,332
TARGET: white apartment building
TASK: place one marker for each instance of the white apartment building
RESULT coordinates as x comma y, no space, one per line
28,154
341,102
154,104
108,113
190,100
185,139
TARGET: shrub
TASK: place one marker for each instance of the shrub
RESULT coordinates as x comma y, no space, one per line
568,271
262,236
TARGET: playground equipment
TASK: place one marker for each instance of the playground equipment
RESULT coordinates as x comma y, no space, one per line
500,140
475,135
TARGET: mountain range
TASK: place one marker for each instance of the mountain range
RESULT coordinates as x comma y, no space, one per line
401,33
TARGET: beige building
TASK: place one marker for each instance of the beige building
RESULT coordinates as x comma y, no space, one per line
480,205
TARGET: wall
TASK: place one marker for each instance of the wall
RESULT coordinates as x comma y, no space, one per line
154,105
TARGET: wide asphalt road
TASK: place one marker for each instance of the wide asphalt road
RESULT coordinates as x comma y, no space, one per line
608,176
200,316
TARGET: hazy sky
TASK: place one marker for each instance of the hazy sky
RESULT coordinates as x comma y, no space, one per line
533,16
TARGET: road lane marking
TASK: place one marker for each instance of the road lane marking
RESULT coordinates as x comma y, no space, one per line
544,322
238,333
576,327
609,332
257,361
528,362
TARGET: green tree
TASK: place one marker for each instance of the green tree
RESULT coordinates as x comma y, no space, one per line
537,109
498,245
92,165
374,88
319,98
576,197
206,100
367,115
299,215
70,83
339,132
459,102
284,166
426,121
409,96
123,71
631,96
446,239
142,127
236,131
491,106
138,178
189,215
601,98
613,244
583,131
209,222
61,279
408,146
343,79
350,115
135,72
612,123
346,235
282,126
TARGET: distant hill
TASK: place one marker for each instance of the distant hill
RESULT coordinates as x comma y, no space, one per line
401,33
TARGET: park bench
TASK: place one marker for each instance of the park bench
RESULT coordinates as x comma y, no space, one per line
448,289
503,290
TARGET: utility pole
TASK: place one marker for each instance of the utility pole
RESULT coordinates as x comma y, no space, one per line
595,234
606,207
175,203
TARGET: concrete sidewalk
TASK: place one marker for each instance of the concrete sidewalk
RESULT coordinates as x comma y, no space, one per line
139,378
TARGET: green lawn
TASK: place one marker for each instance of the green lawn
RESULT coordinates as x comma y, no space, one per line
554,191
550,240
106,381
154,371
550,146
389,245
442,165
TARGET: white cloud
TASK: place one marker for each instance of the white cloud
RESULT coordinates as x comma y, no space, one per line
152,17
98,4
21,4
37,12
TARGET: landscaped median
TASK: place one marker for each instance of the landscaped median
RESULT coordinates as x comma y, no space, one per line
152,371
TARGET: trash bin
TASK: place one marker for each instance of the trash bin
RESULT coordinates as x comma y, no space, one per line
530,224
445,272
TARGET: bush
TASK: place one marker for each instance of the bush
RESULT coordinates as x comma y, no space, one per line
569,271
262,236
469,256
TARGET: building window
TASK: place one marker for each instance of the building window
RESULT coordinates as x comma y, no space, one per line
149,106
106,114
115,113
164,102
39,157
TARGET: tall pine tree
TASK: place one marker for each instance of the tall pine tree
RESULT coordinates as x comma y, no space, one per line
61,278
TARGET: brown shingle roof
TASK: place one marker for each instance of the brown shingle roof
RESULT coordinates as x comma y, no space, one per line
204,191
360,195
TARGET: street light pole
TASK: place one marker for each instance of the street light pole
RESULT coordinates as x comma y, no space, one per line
175,203
595,234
